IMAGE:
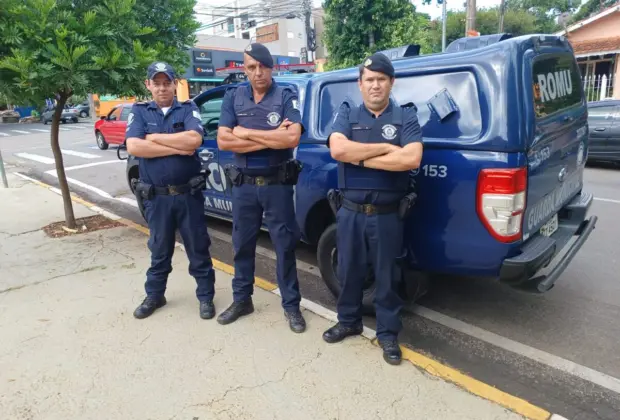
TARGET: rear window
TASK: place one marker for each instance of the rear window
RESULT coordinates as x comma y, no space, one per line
557,85
448,103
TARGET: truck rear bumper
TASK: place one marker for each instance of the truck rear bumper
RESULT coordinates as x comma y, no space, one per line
539,251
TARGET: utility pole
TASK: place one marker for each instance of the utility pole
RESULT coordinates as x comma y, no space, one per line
502,11
310,35
444,18
470,23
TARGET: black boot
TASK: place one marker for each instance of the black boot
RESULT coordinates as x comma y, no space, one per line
148,306
339,332
391,351
207,309
236,310
296,321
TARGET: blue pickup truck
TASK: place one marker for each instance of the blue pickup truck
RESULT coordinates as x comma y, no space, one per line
500,186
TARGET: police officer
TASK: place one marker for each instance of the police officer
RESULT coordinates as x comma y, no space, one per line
164,135
261,124
376,144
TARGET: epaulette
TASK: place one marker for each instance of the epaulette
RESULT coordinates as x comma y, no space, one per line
187,102
410,105
141,103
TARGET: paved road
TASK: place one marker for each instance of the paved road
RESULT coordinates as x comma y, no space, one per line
558,350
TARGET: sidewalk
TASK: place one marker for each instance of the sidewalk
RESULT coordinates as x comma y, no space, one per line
71,348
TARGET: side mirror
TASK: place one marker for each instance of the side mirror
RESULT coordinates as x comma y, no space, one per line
121,152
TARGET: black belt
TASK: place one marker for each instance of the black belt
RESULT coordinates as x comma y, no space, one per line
370,209
261,180
172,189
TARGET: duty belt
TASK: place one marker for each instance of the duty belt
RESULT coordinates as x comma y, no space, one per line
172,189
261,180
370,209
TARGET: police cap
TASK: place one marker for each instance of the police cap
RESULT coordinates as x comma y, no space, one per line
380,63
260,53
160,67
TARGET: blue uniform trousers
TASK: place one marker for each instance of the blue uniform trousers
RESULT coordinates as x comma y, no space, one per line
249,203
165,214
365,241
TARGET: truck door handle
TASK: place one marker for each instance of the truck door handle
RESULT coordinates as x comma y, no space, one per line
599,129
206,155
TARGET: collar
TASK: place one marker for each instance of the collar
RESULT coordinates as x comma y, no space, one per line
250,91
385,111
175,104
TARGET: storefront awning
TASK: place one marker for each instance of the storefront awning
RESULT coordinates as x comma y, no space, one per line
206,79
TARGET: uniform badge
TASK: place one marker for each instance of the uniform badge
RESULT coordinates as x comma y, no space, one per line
196,114
368,62
160,67
296,104
273,119
249,48
388,132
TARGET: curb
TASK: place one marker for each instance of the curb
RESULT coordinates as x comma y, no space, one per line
429,365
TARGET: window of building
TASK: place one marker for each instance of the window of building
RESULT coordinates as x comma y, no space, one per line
290,35
245,35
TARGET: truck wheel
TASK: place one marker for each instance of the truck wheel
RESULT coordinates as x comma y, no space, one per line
327,256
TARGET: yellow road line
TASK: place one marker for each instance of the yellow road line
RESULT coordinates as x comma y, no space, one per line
435,368
516,404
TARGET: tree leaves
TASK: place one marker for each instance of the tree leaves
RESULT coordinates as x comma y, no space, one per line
88,46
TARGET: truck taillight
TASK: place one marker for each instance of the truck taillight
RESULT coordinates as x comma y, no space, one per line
501,201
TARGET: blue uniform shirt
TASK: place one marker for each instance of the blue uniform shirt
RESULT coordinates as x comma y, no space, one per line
148,118
411,133
290,104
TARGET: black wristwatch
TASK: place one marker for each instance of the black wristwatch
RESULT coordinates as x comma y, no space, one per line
361,163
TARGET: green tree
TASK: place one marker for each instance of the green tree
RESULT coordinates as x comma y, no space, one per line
357,28
545,11
516,22
590,7
60,48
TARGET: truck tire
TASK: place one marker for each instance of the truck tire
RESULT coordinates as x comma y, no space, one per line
414,285
327,256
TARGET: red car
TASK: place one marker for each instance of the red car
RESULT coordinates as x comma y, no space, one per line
111,129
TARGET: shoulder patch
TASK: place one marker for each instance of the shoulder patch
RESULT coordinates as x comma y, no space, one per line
141,103
410,105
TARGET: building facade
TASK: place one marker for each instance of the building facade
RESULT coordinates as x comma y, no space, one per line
596,44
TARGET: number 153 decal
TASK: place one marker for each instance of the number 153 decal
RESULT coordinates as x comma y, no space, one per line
432,171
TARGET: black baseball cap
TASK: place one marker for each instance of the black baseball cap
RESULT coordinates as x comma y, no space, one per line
160,67
379,62
260,53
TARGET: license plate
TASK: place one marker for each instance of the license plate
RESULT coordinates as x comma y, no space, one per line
550,227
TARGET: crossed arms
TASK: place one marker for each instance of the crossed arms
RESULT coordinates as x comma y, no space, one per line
376,155
159,145
245,140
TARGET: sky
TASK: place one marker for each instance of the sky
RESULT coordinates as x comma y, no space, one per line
435,10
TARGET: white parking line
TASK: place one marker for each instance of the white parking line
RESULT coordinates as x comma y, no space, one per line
38,129
21,131
608,200
86,165
3,134
81,154
63,129
83,185
36,158
583,372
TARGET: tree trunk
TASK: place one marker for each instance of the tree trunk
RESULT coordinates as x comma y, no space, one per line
371,39
60,168
502,12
